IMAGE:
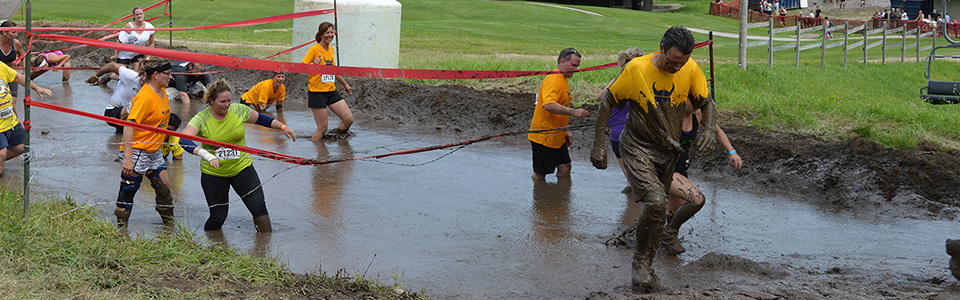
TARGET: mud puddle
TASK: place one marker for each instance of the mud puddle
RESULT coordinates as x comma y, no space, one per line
473,225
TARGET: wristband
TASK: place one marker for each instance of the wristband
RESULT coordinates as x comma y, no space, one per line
283,126
95,76
206,155
732,152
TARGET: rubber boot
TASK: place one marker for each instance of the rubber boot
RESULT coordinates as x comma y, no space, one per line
670,243
164,200
123,217
263,223
953,249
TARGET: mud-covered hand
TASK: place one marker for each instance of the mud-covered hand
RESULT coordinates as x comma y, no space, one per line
93,80
598,156
735,160
569,139
706,142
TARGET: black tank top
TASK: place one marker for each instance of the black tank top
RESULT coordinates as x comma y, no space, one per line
8,58
686,139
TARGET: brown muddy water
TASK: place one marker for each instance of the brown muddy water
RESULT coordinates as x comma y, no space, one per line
471,225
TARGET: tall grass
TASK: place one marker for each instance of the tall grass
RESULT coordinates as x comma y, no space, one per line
80,255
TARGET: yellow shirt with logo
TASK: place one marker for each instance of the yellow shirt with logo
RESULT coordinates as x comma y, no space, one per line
8,118
320,82
553,89
655,118
264,92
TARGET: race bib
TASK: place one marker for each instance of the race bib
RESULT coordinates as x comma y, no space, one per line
327,78
227,154
6,112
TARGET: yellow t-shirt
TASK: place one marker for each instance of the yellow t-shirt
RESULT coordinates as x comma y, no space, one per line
8,118
553,89
149,109
655,117
320,82
172,146
263,92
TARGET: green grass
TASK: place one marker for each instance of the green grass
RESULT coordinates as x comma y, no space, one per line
80,255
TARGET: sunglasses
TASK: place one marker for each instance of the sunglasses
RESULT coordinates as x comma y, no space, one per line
572,51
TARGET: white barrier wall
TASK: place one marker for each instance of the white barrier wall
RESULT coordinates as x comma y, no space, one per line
368,31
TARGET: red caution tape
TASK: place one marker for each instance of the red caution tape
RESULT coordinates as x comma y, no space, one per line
267,154
26,125
224,25
266,65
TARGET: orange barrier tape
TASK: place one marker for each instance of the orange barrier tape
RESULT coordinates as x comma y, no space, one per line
266,65
224,25
267,154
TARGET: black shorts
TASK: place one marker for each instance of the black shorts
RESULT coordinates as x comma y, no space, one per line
322,99
616,148
546,159
135,59
114,113
683,163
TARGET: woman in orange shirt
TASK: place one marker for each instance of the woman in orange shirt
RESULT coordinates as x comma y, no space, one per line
322,89
141,153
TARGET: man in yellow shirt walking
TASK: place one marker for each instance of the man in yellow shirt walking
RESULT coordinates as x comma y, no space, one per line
553,111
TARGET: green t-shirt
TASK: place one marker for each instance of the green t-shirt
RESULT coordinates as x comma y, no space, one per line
229,130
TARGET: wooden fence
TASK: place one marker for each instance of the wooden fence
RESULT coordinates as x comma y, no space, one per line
847,37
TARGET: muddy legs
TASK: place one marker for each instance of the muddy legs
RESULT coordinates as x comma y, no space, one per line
649,231
123,217
671,240
953,249
164,199
263,223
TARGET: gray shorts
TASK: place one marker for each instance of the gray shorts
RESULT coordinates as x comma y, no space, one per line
144,161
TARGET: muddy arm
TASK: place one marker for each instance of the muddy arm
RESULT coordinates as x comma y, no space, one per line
707,142
598,156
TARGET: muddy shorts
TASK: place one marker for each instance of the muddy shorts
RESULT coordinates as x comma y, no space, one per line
546,159
322,99
12,137
144,161
616,148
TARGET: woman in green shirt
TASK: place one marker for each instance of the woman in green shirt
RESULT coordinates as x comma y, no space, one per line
223,121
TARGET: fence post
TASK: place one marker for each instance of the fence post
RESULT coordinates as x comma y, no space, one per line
846,29
883,45
742,57
796,60
865,44
934,46
26,116
918,44
770,42
903,42
823,43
